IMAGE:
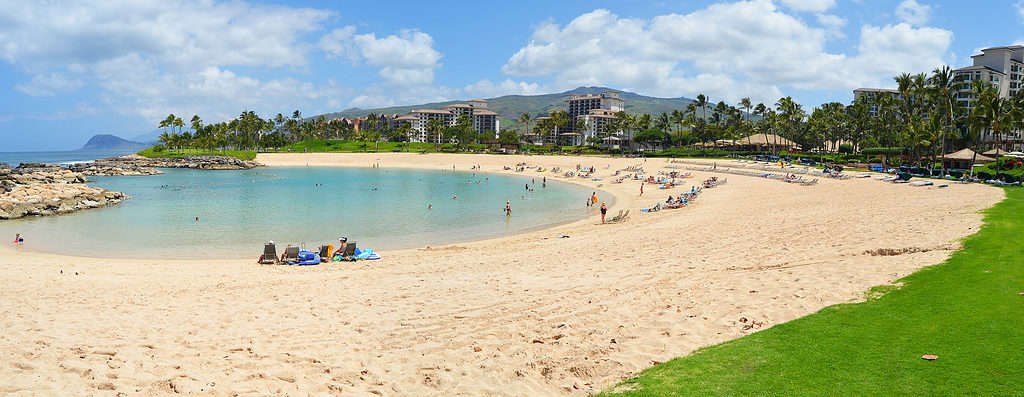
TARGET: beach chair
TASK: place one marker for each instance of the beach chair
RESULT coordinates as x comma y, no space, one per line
349,252
325,252
269,255
291,254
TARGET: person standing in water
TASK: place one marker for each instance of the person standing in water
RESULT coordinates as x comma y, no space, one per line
604,210
18,239
508,208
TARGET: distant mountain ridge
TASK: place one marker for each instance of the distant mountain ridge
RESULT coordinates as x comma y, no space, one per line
509,107
112,142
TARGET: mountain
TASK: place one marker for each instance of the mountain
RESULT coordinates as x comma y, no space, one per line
111,142
509,107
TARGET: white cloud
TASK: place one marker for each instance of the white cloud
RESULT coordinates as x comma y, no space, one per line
726,51
153,57
488,89
49,84
833,24
810,5
1020,9
406,59
914,13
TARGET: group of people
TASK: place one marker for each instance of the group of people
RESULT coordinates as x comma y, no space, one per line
18,239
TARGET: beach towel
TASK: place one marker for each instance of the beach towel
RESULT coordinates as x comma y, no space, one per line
307,258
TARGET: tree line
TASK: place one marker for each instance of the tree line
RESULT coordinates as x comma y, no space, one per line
919,124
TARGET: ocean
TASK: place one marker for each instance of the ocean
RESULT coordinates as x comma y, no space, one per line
191,214
77,156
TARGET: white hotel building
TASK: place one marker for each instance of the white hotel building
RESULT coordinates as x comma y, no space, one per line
481,118
1002,67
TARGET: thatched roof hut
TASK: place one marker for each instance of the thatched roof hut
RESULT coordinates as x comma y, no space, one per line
757,141
996,152
962,159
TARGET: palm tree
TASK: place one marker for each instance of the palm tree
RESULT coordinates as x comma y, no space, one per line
759,110
991,112
944,94
434,128
559,119
525,119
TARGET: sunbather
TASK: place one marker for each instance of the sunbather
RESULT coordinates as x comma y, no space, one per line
342,242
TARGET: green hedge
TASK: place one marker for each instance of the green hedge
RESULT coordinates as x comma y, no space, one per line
160,152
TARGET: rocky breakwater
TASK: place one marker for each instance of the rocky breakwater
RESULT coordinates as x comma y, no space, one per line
192,162
41,189
102,168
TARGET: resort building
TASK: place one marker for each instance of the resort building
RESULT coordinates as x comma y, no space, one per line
480,117
596,110
872,93
1003,68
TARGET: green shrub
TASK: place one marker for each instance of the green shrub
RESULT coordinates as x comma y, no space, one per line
846,148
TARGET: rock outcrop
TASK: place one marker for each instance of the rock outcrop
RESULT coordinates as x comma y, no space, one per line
100,168
41,189
193,162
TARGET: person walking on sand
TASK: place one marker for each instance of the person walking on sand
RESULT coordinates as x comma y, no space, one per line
604,210
508,208
641,189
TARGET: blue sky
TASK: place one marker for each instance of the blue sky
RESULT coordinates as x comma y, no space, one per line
68,71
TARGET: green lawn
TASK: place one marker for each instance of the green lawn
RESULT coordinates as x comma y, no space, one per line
177,153
967,310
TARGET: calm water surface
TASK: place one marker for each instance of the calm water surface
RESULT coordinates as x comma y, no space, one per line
240,210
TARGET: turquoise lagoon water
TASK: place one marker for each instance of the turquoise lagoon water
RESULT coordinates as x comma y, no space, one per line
240,210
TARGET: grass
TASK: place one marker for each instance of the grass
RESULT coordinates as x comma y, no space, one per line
178,153
967,310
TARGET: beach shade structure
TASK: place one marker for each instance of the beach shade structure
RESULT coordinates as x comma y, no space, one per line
961,159
1016,154
760,141
997,152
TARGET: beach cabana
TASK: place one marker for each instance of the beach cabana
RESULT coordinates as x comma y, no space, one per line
996,152
961,160
760,142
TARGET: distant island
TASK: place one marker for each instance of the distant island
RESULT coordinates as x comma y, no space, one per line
112,142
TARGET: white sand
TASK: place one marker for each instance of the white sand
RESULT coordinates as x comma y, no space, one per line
523,315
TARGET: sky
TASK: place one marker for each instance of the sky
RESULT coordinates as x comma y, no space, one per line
69,70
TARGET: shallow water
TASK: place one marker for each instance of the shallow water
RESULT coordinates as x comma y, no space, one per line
240,210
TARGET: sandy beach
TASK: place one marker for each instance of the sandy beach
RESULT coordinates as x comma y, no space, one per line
528,315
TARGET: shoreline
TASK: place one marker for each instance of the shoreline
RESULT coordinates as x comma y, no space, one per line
291,163
527,314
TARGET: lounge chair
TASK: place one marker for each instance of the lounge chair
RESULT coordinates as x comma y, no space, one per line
922,183
291,254
810,182
269,255
349,252
325,252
